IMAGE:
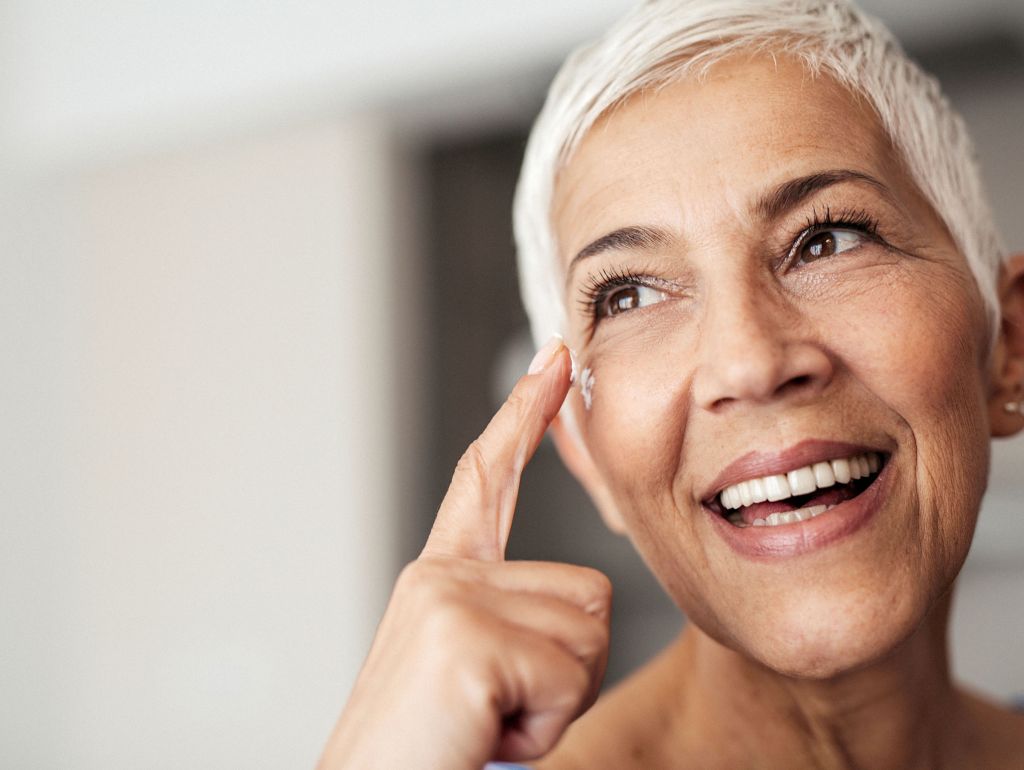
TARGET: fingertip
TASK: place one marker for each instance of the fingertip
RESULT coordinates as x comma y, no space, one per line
558,371
547,355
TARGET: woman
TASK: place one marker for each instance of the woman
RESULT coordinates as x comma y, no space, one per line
760,229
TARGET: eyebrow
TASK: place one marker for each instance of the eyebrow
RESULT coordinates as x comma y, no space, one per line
639,237
789,195
768,207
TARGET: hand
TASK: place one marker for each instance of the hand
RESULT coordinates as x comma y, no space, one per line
476,658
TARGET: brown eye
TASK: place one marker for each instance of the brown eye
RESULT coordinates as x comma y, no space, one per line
818,246
828,243
627,298
624,299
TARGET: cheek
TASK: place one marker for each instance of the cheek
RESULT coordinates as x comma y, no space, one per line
636,420
917,344
921,350
634,431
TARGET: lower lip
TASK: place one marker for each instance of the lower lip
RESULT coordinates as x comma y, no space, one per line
802,537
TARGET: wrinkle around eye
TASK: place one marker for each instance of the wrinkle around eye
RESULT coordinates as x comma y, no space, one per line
650,325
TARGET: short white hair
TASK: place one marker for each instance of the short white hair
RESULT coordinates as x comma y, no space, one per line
661,41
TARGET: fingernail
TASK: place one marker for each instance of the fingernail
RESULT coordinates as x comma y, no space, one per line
544,355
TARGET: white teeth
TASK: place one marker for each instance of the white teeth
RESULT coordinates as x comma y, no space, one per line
823,475
777,488
854,469
873,462
757,490
731,498
800,481
841,470
745,495
791,517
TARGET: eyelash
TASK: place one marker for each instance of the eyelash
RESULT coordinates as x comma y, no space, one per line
857,220
599,287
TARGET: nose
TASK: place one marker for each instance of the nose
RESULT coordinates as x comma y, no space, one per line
756,347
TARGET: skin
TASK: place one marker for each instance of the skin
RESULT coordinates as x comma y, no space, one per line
833,657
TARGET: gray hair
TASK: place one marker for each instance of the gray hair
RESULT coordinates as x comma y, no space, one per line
665,40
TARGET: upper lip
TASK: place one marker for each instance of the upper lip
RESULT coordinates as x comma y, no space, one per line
756,464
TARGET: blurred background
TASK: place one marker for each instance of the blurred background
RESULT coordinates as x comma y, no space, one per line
256,296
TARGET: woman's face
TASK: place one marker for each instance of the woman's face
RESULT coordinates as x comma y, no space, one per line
785,300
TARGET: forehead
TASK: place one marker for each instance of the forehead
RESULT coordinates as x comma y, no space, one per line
695,150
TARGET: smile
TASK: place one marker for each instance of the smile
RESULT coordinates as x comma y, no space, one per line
797,495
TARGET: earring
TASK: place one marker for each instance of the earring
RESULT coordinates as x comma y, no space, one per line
1014,407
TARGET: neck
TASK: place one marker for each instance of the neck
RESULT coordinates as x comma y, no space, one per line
899,712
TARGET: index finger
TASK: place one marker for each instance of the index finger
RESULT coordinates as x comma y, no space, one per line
476,514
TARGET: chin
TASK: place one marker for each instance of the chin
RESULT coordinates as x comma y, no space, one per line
824,636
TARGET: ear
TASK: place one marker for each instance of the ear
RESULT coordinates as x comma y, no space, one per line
577,459
1006,404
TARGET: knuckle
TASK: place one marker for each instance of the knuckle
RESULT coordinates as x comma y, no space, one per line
448,616
425,582
473,462
517,402
414,575
566,687
579,688
442,594
600,633
597,590
592,638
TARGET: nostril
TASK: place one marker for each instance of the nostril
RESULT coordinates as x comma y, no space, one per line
796,383
722,402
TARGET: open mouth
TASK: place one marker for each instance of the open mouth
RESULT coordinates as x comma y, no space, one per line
800,494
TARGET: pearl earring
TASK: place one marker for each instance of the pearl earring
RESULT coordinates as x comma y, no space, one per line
1015,407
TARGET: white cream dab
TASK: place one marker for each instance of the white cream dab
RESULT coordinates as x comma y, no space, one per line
587,380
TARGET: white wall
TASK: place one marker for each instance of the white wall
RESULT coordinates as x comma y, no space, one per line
94,79
203,458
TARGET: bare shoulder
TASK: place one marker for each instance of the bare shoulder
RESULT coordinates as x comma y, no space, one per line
1001,730
621,729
